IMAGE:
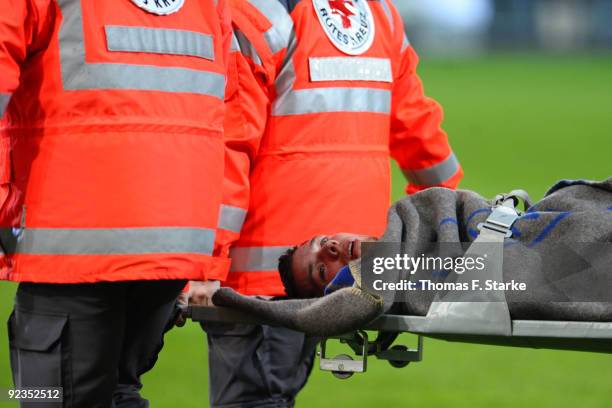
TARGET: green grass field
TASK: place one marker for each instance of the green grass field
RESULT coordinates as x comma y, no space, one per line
515,121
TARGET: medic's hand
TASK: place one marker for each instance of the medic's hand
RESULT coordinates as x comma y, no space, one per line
201,293
182,301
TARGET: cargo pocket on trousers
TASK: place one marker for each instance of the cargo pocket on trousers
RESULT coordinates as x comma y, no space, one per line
36,349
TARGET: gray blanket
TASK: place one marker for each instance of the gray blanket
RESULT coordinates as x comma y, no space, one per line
572,211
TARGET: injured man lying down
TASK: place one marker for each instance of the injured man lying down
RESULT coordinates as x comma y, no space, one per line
557,255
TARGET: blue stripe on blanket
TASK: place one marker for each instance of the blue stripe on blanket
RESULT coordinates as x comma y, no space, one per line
449,220
549,228
475,213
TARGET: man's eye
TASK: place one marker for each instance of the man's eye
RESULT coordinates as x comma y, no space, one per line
323,241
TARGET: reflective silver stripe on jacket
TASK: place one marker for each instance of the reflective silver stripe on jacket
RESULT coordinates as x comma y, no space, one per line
160,41
77,74
109,241
278,35
246,47
435,174
256,259
389,14
350,69
325,100
231,218
321,100
286,76
234,47
4,100
406,43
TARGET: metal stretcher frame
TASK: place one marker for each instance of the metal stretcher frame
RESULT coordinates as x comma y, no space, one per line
537,334
415,324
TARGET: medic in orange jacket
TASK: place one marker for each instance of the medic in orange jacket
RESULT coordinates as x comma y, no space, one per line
111,138
343,96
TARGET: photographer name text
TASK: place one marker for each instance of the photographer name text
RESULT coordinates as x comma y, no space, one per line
428,285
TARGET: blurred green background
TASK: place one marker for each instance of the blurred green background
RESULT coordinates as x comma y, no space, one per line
515,121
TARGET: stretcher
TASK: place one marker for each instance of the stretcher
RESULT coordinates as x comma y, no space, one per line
480,319
578,336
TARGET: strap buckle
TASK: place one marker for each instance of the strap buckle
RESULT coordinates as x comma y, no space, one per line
501,220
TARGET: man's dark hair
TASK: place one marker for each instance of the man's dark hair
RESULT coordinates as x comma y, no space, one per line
285,268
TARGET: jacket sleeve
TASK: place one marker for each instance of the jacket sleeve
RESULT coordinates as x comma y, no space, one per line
417,141
15,36
247,105
25,26
225,21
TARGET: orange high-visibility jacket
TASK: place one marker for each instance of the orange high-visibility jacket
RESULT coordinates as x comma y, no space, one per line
247,106
111,138
252,70
335,115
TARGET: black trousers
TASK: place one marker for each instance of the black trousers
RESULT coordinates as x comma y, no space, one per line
93,340
257,365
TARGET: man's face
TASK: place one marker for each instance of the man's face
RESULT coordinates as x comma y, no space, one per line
316,262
